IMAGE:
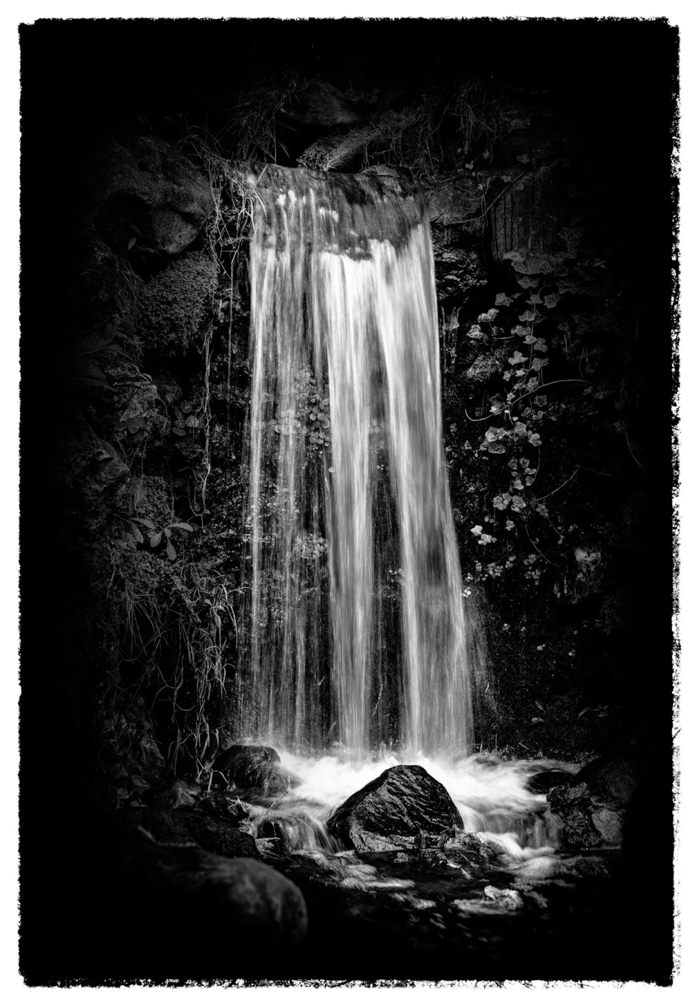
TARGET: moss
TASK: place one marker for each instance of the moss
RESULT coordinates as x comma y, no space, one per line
176,305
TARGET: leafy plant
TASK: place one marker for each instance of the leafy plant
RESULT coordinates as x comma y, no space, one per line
154,539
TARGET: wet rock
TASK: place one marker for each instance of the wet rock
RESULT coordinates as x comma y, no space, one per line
146,192
295,832
403,808
184,826
193,912
544,781
224,807
509,899
181,793
592,808
458,267
612,780
253,768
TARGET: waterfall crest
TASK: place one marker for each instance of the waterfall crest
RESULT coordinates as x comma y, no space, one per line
356,631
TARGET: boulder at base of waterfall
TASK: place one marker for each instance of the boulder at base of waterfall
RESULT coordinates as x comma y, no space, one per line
195,914
405,807
257,768
591,809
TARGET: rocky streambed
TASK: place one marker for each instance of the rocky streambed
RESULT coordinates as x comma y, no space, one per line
258,877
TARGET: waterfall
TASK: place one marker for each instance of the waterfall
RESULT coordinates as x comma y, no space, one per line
355,623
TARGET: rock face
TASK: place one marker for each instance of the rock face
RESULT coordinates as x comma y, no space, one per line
403,808
592,808
144,189
254,767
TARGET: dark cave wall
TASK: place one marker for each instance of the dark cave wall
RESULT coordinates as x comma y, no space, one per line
549,197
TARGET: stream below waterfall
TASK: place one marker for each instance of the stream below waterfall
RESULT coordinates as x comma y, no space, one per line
491,797
500,896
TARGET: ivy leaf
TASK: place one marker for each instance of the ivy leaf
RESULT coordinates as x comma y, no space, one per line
515,256
497,448
518,503
535,298
477,530
521,330
502,298
529,281
551,300
530,339
527,316
534,439
520,428
517,358
510,525
541,346
540,400
499,503
538,363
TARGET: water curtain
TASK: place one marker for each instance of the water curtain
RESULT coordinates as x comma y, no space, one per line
356,634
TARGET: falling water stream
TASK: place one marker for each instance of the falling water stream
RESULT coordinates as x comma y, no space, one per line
356,632
357,625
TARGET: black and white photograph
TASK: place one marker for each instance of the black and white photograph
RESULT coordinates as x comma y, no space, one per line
348,452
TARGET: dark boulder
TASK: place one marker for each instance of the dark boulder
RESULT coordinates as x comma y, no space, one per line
186,912
405,807
145,192
223,807
612,780
592,808
255,768
184,826
542,782
180,793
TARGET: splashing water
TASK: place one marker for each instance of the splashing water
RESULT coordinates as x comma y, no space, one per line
355,632
491,796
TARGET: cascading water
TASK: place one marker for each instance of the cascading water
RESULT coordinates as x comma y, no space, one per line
356,629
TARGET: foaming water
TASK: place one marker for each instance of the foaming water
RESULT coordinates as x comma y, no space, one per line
491,796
